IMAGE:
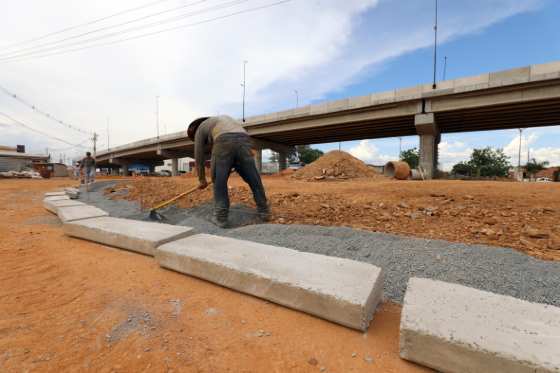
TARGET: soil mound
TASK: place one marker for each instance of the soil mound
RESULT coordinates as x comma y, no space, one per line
335,165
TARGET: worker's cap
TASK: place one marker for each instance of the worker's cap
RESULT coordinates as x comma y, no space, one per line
193,127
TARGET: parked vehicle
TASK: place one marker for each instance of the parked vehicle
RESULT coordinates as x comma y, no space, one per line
544,180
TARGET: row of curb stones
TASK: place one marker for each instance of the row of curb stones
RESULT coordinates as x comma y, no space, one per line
448,327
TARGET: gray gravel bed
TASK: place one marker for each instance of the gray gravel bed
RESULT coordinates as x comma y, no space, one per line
499,270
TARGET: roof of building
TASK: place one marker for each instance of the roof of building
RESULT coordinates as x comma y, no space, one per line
14,154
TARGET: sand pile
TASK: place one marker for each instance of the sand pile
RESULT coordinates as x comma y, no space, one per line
335,165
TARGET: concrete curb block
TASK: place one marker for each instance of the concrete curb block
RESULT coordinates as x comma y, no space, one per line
73,193
56,198
54,194
340,290
53,206
453,328
138,236
71,213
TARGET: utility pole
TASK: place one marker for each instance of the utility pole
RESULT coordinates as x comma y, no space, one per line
444,67
297,98
519,155
400,146
107,133
434,85
94,144
244,85
528,150
157,116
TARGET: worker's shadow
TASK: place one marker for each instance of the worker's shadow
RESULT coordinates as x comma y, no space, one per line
200,217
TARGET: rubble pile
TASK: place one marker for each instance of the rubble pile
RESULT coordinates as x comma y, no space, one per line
335,165
20,175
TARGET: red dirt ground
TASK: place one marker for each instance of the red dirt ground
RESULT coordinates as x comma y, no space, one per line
72,305
523,216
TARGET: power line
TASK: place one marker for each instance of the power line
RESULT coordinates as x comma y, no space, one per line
84,24
34,50
20,123
38,46
80,145
36,109
248,10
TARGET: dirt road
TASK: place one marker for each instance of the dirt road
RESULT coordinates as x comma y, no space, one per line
523,216
71,305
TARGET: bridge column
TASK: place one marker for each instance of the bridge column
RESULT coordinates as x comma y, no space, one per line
282,161
174,166
114,171
258,159
427,129
124,168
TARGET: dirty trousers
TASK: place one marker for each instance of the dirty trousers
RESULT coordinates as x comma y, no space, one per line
233,150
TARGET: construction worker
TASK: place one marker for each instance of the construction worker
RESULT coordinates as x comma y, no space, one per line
87,164
230,147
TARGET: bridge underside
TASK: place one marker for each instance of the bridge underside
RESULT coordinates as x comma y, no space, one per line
494,117
501,117
517,98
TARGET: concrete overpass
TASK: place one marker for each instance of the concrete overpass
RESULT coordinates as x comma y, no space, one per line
517,98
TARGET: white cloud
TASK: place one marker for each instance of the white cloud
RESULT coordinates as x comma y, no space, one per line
512,148
543,153
369,153
552,155
451,153
316,47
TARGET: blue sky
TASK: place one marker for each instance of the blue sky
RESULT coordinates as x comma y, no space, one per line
326,49
529,38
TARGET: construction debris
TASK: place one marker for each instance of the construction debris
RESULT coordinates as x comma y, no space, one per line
20,175
335,165
397,169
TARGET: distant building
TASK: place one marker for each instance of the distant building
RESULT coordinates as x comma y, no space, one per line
16,159
553,173
185,165
269,168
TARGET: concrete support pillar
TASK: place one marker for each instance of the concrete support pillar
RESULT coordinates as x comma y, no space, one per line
174,166
427,129
152,168
114,171
282,161
124,168
258,160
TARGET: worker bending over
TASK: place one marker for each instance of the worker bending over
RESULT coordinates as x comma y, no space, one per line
230,147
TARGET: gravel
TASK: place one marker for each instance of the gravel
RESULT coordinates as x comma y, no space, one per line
499,270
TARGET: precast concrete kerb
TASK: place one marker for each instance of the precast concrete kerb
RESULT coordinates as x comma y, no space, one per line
444,326
343,291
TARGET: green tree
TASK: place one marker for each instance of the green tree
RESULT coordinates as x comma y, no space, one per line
485,162
305,154
411,156
490,162
462,168
533,166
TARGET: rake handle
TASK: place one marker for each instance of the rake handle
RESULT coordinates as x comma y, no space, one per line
163,204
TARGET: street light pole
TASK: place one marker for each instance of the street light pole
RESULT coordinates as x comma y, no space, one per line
244,85
107,133
434,85
157,116
519,155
